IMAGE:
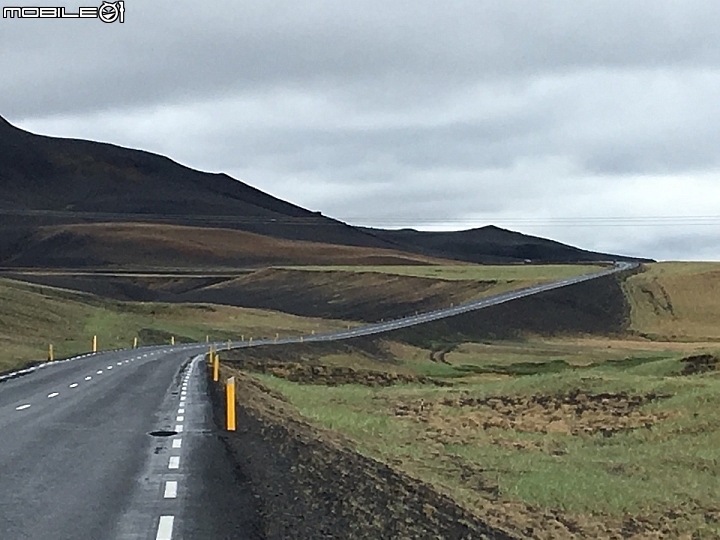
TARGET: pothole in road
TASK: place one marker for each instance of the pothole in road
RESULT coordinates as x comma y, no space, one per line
163,433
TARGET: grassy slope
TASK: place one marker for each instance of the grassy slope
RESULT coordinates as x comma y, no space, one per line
146,245
660,466
471,272
590,477
32,316
679,301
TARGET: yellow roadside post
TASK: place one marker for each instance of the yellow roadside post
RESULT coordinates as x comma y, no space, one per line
229,345
172,340
211,355
207,339
301,339
230,403
216,368
250,342
94,345
313,332
135,343
51,354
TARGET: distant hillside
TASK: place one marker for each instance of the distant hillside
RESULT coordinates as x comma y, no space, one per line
153,245
52,182
489,245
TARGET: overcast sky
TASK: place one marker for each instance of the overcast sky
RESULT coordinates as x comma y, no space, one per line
595,123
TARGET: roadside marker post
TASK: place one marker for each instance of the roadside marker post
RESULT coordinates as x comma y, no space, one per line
172,340
207,339
229,345
250,342
230,403
301,339
94,344
51,353
216,368
135,343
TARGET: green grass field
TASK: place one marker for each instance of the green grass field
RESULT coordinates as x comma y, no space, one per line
34,316
602,464
470,272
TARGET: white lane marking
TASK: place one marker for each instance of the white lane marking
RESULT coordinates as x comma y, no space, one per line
181,410
165,528
54,394
22,407
99,372
74,385
183,393
171,489
180,418
174,462
182,399
119,363
109,367
88,378
177,443
179,428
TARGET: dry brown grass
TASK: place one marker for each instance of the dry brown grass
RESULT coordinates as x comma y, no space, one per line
144,244
676,301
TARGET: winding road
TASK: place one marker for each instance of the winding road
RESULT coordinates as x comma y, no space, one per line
121,444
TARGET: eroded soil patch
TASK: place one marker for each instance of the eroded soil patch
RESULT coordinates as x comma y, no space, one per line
334,375
571,413
702,363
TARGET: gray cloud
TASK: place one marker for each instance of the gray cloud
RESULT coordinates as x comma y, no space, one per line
406,113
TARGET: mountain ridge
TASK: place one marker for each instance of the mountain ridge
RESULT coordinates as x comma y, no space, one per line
46,181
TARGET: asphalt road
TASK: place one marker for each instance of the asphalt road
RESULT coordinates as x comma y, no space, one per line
78,460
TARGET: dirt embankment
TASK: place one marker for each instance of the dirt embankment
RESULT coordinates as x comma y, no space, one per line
594,307
312,486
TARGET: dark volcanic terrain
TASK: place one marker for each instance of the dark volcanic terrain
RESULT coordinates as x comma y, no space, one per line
47,183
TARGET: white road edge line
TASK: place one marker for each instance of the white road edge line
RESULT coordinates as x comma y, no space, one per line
171,489
165,528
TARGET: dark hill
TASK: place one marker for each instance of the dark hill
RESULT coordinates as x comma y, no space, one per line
49,181
489,245
68,180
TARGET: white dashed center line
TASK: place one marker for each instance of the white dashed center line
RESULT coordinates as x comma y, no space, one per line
171,489
179,428
88,378
74,385
177,443
119,363
165,528
181,411
99,372
174,462
22,407
54,394
109,367
180,418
